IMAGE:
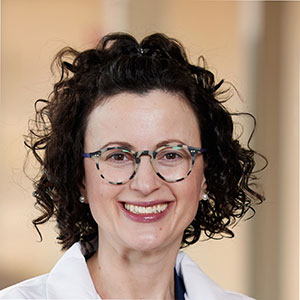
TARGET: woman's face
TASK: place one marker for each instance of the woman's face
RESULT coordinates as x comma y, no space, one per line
143,122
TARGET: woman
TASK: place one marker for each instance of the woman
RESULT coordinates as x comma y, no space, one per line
138,160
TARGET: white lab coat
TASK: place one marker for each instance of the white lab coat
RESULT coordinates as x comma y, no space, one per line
70,279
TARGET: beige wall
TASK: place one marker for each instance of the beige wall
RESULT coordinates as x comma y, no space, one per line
32,32
254,45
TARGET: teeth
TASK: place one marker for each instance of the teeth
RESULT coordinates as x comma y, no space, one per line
146,210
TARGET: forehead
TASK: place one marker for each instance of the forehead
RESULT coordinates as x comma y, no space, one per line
142,119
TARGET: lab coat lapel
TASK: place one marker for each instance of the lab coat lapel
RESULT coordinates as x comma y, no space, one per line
198,285
70,278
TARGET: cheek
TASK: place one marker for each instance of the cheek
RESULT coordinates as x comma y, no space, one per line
194,183
187,195
102,198
98,191
91,179
191,192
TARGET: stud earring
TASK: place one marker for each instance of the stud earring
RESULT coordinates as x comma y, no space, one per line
81,199
205,197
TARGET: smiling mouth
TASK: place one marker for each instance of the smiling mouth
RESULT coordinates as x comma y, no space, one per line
143,210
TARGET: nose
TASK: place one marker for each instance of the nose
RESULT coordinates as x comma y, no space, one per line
145,181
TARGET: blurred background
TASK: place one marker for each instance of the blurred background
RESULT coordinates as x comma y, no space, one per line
254,45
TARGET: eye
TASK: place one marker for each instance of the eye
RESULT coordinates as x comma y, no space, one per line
115,156
118,156
171,156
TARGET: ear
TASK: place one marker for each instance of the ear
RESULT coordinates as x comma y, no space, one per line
203,187
82,189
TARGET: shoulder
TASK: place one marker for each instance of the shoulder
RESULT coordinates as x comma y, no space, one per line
198,285
34,288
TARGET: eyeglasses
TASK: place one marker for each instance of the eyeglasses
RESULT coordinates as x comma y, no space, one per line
118,165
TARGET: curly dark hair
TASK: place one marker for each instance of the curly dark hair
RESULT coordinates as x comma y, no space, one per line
120,64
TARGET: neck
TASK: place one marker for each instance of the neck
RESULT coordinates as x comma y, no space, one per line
126,274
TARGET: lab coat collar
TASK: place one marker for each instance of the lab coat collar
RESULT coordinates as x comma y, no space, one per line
197,284
70,278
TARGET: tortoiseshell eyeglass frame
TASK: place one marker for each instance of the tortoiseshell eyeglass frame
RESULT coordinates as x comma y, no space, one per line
193,151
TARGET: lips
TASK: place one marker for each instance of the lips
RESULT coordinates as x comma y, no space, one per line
146,212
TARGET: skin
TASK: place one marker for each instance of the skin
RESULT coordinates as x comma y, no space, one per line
131,254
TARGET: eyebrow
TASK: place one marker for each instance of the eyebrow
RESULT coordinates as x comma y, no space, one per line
166,142
130,146
119,143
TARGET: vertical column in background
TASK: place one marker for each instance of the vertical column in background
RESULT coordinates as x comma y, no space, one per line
276,232
114,16
288,205
251,23
267,80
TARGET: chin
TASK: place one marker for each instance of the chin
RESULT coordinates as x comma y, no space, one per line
146,244
151,242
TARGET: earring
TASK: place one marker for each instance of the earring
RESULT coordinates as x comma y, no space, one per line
205,197
81,199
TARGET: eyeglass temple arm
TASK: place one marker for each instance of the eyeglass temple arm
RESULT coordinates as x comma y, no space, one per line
91,154
194,150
